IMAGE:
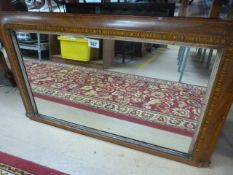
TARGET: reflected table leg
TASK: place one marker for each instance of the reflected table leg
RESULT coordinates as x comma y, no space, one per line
108,52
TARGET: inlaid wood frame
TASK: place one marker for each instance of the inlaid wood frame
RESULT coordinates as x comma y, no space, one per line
198,32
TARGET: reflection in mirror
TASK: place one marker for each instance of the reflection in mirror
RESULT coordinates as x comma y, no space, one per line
148,93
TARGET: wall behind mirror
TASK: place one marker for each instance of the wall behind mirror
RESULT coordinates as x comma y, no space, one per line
147,93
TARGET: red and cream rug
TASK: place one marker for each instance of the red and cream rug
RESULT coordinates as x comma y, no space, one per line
161,104
11,165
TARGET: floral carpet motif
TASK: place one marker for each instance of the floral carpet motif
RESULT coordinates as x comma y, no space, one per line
12,165
161,104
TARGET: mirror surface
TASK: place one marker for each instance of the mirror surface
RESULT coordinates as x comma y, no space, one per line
145,93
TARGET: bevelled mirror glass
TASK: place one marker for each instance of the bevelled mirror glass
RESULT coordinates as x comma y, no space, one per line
149,94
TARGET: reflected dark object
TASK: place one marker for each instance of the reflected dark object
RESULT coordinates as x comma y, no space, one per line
13,5
19,5
5,70
10,5
137,9
30,37
35,4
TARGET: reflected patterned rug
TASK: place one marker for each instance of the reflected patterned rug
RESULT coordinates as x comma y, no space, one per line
11,165
161,104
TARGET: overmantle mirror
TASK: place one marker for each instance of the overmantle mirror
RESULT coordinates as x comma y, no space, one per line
148,92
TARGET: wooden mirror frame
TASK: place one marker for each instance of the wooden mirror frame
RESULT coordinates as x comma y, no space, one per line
199,32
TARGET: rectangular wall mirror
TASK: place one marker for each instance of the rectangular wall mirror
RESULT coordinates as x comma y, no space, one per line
146,94
152,94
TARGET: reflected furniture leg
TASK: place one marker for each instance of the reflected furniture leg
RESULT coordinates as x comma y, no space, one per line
180,57
209,58
108,52
203,56
184,8
199,51
216,8
183,65
38,46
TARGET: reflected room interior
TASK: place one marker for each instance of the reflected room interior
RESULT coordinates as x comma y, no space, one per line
149,93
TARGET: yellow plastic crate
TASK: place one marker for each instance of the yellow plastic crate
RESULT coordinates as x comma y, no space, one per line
74,48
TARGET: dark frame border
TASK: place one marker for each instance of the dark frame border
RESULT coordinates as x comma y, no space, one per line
200,32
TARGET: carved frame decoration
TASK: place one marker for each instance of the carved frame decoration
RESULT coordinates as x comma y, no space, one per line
213,33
